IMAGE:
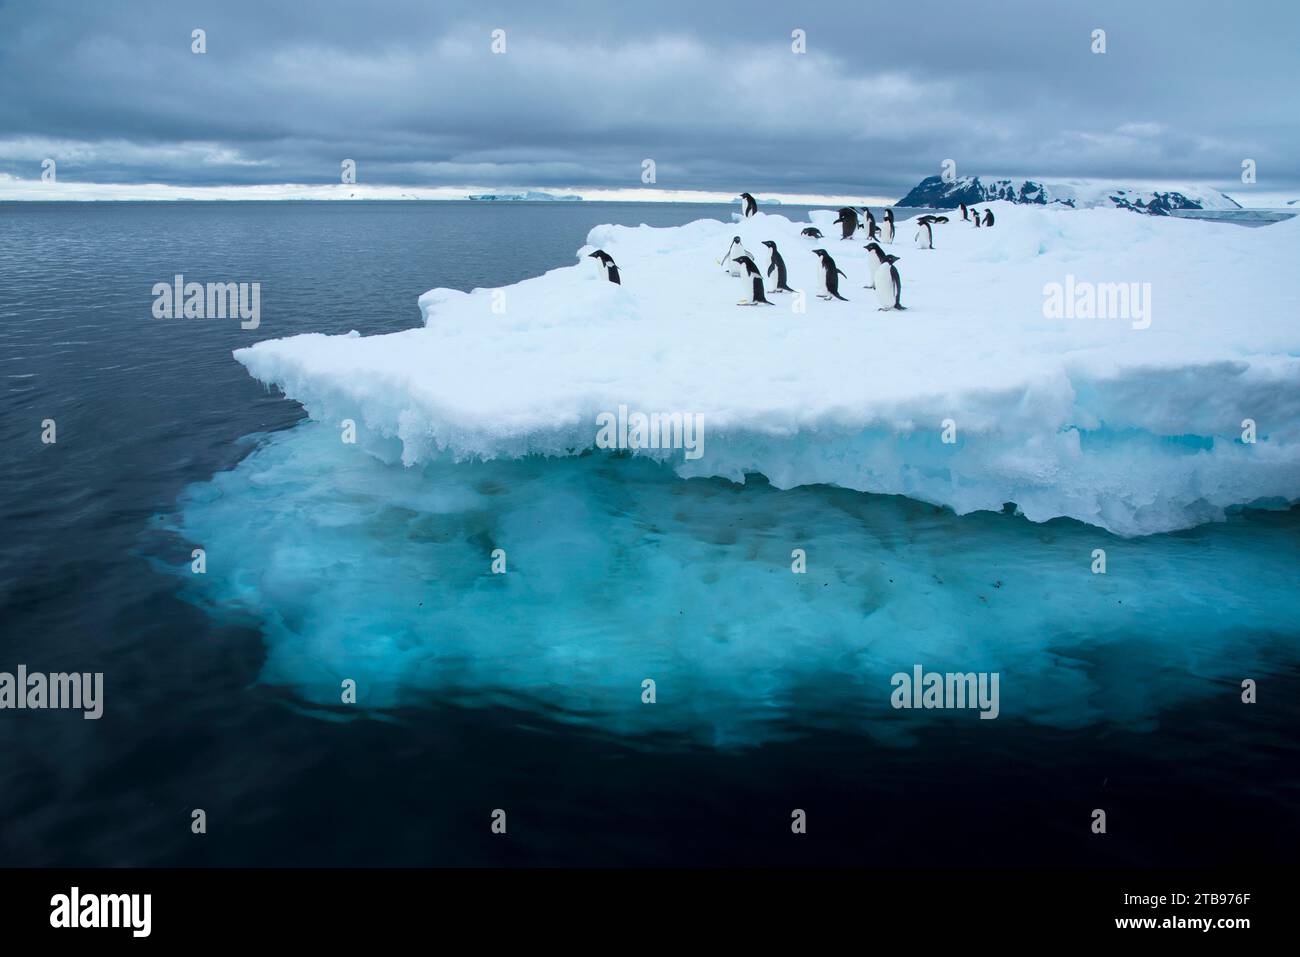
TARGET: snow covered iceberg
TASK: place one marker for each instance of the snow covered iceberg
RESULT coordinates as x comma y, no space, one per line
982,393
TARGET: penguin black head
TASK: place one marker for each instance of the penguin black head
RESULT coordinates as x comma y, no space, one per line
891,259
735,239
820,252
875,248
749,263
746,196
768,242
603,256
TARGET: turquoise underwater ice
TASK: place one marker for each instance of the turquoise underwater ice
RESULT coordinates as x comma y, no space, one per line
618,571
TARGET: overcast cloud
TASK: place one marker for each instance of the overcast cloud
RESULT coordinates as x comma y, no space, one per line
710,91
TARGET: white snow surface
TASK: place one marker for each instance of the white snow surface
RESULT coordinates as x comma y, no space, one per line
1135,430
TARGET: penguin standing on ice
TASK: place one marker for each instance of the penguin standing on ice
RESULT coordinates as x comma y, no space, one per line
965,213
748,205
925,230
875,256
988,217
889,287
975,217
830,277
873,231
606,263
812,232
848,221
778,265
863,213
887,230
734,252
755,280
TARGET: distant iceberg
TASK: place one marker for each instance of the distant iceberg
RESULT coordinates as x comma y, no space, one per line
934,192
979,395
531,196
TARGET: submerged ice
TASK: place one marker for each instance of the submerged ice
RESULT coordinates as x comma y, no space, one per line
1134,425
618,571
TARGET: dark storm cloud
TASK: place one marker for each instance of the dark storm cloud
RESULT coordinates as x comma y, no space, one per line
711,92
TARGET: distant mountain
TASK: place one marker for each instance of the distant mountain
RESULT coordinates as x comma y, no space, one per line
934,193
531,196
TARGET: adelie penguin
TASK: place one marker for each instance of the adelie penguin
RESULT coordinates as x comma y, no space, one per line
748,205
975,217
607,264
925,231
988,217
755,280
887,230
875,256
889,288
848,222
812,232
873,231
777,265
830,277
734,252
965,213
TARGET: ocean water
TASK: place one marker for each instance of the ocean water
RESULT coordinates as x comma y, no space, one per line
523,691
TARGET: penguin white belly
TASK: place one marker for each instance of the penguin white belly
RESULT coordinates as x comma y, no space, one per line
923,237
874,265
886,294
887,231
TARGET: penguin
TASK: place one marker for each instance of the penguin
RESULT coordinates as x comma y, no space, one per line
873,231
607,264
734,252
748,205
988,217
830,277
964,213
975,217
812,232
777,264
755,280
887,230
888,286
875,256
848,220
925,230
863,213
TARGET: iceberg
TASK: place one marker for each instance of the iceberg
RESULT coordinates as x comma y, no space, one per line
979,395
614,571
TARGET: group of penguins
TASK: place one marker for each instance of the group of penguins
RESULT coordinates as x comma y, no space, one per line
884,274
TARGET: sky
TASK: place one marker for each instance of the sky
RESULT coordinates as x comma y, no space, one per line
713,93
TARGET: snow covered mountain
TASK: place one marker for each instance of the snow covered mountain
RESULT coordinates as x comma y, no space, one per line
932,192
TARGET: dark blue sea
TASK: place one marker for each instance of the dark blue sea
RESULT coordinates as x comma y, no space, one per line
1122,694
